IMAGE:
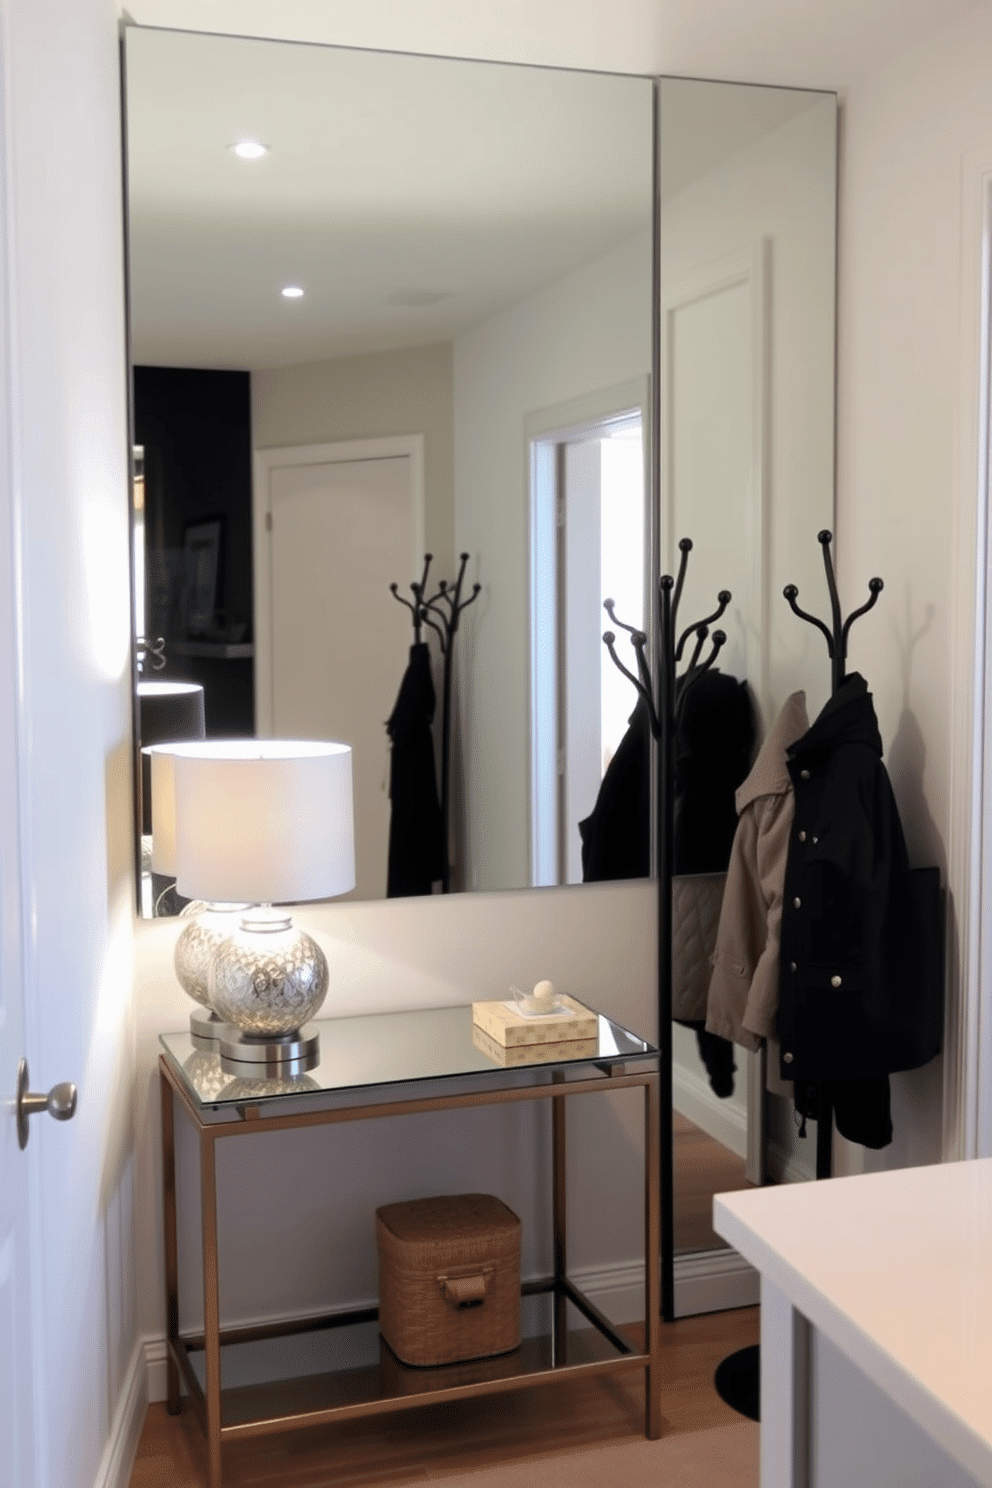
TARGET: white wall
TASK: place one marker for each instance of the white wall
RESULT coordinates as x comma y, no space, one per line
366,397
66,382
907,461
589,331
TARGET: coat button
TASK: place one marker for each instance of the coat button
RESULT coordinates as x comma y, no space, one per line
787,1058
797,903
803,774
802,836
815,841
835,981
792,965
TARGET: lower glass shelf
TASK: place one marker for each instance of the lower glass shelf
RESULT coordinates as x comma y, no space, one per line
344,1367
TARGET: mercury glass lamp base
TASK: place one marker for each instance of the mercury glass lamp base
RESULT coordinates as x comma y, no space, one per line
205,1029
292,1054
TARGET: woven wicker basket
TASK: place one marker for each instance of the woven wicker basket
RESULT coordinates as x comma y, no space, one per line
449,1278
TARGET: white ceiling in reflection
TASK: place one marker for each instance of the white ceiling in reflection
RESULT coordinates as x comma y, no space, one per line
410,197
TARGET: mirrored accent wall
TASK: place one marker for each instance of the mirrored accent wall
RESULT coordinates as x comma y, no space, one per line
384,306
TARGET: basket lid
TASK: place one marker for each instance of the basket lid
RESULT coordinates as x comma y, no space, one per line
450,1217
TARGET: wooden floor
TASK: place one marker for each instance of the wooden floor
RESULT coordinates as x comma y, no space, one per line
410,1445
703,1167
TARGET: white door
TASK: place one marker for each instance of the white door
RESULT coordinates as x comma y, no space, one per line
332,642
17,1458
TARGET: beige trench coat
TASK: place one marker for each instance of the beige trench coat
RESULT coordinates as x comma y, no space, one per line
743,992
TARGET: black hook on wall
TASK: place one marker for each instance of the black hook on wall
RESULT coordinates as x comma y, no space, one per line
837,633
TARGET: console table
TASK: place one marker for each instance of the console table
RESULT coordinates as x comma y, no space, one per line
397,1064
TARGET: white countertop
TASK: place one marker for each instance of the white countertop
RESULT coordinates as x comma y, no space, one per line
896,1270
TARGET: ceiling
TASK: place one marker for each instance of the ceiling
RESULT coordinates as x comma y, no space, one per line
411,197
792,43
406,230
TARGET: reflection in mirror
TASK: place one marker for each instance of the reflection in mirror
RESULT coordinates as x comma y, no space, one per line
746,294
357,343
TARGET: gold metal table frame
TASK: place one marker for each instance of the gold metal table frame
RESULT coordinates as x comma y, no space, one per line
248,1118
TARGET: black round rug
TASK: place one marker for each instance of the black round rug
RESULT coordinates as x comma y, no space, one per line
737,1381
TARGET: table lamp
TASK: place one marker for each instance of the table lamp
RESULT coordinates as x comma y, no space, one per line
265,823
205,925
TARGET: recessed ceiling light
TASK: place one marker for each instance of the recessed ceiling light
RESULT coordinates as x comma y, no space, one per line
249,150
292,292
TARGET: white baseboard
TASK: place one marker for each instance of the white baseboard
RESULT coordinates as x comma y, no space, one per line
723,1120
155,1354
118,1457
708,1281
714,1281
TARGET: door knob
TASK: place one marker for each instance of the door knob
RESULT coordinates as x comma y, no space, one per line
60,1102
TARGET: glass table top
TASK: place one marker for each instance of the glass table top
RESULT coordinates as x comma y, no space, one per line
383,1049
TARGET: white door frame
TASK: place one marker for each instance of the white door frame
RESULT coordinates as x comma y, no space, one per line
968,1023
264,462
543,428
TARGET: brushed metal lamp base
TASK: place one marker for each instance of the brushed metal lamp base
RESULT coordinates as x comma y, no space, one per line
205,1029
288,1055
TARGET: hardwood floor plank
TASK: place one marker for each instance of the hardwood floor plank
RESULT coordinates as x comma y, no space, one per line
702,1167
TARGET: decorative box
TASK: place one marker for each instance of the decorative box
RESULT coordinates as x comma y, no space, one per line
516,1054
509,1026
449,1278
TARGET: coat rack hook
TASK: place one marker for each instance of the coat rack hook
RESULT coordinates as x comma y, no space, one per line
790,591
875,587
724,598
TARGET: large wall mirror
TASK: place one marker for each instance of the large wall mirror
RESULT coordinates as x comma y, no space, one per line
452,307
418,319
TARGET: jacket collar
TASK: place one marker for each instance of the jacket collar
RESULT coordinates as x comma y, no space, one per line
769,774
847,718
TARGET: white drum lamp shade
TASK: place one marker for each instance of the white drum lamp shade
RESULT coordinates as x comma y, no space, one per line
163,798
263,821
167,711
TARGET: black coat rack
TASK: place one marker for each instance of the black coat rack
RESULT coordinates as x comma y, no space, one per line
442,612
836,636
661,711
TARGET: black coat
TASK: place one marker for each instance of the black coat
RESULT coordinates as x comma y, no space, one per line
416,839
616,835
712,745
860,977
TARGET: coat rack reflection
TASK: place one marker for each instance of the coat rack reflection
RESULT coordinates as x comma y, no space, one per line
442,611
661,712
836,637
